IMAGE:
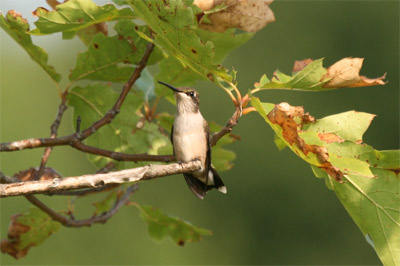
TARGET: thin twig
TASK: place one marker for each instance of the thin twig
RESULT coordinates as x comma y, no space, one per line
119,156
97,180
232,122
101,218
6,179
53,133
83,192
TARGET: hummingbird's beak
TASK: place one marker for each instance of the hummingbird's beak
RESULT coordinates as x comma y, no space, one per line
169,86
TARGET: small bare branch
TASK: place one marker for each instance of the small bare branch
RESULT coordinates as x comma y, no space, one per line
6,179
53,134
70,222
96,180
232,122
119,156
83,192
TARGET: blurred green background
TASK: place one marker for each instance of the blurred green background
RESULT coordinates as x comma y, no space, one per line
276,211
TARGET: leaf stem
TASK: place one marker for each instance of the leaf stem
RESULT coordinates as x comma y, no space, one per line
249,110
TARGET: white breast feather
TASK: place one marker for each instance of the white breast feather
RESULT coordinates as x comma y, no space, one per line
189,137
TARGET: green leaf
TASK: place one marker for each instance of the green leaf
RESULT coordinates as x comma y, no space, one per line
165,120
74,15
102,60
17,27
335,152
128,132
28,230
173,24
107,203
374,206
181,75
348,125
307,79
131,32
173,72
222,158
224,42
113,58
121,2
146,84
161,226
279,142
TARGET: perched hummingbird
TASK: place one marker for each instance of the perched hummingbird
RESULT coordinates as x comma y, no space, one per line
190,137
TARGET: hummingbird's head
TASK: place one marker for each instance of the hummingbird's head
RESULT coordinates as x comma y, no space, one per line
187,99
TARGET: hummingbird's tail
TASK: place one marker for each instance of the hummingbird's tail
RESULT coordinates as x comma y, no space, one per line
200,189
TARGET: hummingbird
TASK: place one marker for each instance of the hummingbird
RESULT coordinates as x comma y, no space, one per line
190,137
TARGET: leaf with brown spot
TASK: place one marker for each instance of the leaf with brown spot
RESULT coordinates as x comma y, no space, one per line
74,15
175,31
346,73
310,75
329,137
309,138
368,180
299,65
248,15
27,230
161,226
17,27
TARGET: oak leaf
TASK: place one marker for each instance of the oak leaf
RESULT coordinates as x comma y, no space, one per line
346,73
248,15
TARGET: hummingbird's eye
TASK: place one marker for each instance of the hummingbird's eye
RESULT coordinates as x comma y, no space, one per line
190,93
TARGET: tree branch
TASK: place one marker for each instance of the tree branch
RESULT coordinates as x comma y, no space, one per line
87,191
101,218
96,180
119,156
110,115
232,122
76,143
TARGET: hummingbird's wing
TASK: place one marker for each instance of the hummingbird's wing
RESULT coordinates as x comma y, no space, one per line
208,155
196,186
218,184
172,138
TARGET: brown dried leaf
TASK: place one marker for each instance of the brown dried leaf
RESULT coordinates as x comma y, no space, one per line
248,15
346,73
11,244
29,174
207,5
